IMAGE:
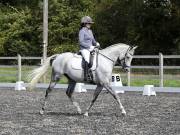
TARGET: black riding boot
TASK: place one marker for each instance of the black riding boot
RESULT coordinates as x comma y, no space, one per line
86,68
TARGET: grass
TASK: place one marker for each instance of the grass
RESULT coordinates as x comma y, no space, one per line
138,79
10,75
155,82
143,82
172,83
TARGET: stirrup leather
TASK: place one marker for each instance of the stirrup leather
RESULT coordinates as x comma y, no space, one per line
89,76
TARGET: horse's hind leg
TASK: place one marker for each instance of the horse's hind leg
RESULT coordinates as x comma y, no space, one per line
114,94
96,94
69,93
54,79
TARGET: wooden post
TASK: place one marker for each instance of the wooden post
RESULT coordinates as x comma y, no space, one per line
19,67
45,32
161,71
45,29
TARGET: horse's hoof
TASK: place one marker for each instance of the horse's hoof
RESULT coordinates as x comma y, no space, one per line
86,114
79,112
41,112
124,113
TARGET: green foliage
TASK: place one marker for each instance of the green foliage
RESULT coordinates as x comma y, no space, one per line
115,22
64,24
158,28
17,35
152,25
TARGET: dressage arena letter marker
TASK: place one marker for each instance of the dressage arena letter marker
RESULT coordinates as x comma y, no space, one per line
149,90
20,85
118,78
79,87
116,81
112,78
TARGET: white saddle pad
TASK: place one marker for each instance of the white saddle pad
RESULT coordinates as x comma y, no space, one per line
76,62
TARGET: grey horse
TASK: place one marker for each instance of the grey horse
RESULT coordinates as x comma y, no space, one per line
62,65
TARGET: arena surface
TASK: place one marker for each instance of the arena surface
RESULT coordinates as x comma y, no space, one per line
19,114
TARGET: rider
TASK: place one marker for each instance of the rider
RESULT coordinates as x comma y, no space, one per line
87,42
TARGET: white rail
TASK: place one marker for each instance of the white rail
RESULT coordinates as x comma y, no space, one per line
43,86
161,66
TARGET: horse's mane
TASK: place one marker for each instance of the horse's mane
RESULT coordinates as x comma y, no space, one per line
118,44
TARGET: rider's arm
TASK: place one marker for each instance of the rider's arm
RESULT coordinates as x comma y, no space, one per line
93,39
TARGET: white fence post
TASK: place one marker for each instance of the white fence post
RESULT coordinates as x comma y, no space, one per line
161,72
129,77
19,83
44,76
19,67
42,61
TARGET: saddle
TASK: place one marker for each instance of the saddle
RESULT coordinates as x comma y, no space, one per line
77,61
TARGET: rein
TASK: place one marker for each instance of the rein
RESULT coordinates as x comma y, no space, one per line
107,57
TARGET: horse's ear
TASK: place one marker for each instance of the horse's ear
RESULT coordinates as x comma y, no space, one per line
134,47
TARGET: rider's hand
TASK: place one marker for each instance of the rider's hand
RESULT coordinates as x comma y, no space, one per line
91,48
97,44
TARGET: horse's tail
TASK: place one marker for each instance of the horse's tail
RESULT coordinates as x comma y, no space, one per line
36,74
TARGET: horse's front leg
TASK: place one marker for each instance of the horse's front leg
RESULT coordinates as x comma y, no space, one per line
96,93
69,93
114,94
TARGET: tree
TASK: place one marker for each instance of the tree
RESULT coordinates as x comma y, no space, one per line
152,25
19,32
64,24
157,28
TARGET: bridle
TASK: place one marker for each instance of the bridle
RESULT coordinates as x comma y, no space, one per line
123,60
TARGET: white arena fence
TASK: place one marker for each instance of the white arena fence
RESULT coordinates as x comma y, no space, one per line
19,74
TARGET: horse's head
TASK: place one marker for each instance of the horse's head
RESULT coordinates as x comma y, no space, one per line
126,58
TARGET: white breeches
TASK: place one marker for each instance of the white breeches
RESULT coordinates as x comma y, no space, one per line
86,54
